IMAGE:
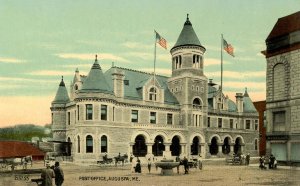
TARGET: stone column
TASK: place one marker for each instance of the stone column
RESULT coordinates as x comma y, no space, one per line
167,152
131,148
183,149
220,149
203,149
231,148
149,148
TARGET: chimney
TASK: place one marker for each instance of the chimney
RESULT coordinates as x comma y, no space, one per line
118,80
239,102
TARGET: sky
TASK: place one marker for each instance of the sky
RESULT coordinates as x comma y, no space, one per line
40,41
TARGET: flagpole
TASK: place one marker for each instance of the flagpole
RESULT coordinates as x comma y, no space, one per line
221,64
154,58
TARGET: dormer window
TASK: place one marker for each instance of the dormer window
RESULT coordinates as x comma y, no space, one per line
152,94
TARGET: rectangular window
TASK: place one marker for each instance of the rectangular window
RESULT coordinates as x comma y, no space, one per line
248,124
279,121
231,123
103,112
113,118
208,122
220,122
69,118
169,119
78,112
134,116
256,124
153,117
89,111
75,116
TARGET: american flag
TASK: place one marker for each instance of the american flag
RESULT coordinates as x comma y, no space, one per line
228,48
161,41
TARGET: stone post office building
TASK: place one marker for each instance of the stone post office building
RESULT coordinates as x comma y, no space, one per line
129,111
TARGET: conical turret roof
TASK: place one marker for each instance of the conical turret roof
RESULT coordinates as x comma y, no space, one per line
187,35
95,81
61,94
248,104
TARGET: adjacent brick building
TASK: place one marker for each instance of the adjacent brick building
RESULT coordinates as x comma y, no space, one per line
261,109
133,112
283,89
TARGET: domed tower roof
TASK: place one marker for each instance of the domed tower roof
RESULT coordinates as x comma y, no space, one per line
95,81
61,94
187,35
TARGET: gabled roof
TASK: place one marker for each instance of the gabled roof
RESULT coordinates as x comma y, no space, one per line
137,79
95,81
16,149
61,94
285,25
187,36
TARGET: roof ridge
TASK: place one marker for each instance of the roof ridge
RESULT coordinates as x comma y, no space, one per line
123,68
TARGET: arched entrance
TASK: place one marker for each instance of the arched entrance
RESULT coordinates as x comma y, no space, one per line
139,147
158,147
226,146
237,146
195,148
213,148
175,146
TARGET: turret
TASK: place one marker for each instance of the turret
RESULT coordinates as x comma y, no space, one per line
58,113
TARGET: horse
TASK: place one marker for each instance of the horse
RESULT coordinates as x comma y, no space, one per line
123,159
25,160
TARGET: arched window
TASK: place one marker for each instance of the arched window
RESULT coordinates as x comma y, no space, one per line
78,144
180,62
279,82
76,87
103,144
89,144
197,103
152,94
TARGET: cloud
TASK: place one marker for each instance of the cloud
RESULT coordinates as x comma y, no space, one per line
136,45
213,61
13,79
245,59
242,85
237,75
11,60
90,56
254,95
51,73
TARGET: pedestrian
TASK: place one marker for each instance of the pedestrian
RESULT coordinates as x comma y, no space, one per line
248,159
133,163
47,175
131,158
149,165
271,161
178,160
186,165
59,174
200,162
138,167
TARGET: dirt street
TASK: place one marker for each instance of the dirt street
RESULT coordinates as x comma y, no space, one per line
82,175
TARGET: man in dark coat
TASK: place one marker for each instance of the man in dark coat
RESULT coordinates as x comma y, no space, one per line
47,175
186,165
59,175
